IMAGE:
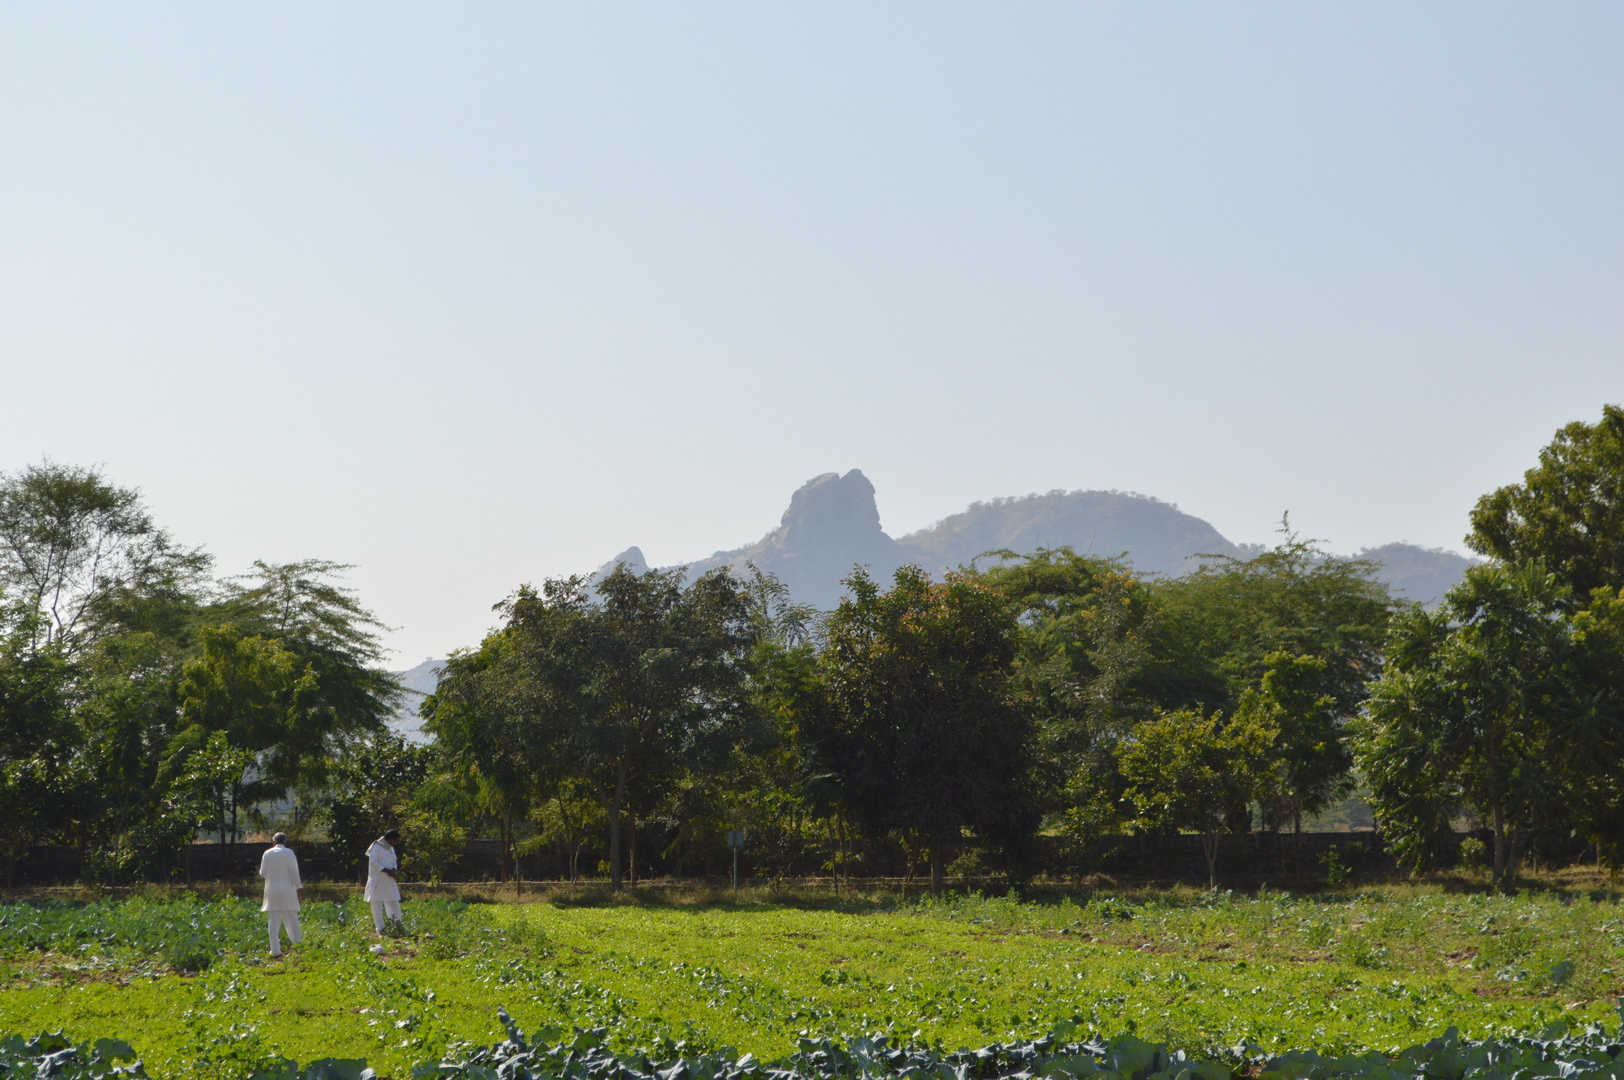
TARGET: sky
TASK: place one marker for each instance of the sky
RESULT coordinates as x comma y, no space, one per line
468,296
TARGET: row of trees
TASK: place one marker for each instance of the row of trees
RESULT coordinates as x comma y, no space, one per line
1033,694
1050,691
141,699
1059,693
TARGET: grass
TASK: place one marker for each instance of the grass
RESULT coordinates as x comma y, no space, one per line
185,980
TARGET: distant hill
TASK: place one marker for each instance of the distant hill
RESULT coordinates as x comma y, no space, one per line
1418,573
419,683
833,523
1156,537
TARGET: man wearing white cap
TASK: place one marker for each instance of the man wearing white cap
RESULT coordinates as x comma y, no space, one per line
283,891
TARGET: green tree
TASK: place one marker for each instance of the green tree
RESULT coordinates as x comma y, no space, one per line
672,681
350,693
1474,711
565,821
1189,769
39,792
212,778
1567,515
1309,760
372,787
1293,597
926,739
1596,743
252,693
772,786
126,723
67,538
1086,671
497,744
1568,512
634,689
1220,635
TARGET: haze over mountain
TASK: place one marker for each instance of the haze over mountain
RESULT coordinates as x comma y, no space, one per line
833,523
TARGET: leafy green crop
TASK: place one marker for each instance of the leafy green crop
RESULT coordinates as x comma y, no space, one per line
586,1055
187,983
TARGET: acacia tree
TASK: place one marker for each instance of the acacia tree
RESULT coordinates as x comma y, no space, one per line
924,736
302,606
1474,711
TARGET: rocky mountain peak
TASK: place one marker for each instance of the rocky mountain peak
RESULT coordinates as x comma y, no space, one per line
632,559
831,506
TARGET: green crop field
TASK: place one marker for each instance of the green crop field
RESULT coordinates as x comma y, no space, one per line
186,982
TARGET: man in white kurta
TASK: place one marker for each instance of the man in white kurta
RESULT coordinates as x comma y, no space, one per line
383,881
283,891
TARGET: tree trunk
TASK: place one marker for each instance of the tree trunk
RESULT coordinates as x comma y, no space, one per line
504,866
1502,850
231,844
935,869
631,848
615,872
839,867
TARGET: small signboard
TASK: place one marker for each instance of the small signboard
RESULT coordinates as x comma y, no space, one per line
735,838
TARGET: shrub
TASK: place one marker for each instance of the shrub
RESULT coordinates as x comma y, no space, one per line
1473,853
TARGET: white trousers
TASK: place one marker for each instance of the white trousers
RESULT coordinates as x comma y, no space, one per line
280,920
381,908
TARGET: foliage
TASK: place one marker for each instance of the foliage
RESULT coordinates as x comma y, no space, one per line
372,788
346,693
1307,761
586,1055
68,538
1187,769
1594,742
565,821
493,750
1568,512
1473,711
1083,671
633,692
1236,613
36,741
243,700
924,735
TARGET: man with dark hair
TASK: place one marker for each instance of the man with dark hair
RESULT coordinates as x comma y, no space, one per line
283,891
383,880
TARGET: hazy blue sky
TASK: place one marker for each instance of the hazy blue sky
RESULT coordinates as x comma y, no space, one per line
475,295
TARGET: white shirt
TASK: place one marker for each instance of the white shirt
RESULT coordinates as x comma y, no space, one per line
381,886
280,869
